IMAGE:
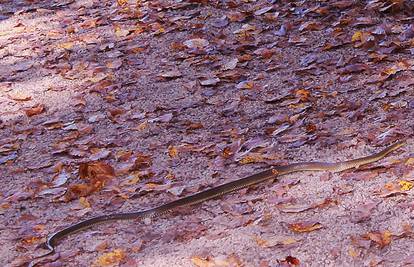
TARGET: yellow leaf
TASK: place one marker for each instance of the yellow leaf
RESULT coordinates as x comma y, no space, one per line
303,227
382,239
410,161
357,36
405,185
84,202
261,242
67,45
386,237
289,241
136,177
252,158
119,32
390,71
142,126
172,151
353,252
170,175
111,258
199,262
122,2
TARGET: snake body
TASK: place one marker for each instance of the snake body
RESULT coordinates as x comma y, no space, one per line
53,239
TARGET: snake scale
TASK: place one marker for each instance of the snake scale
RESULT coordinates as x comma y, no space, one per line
53,239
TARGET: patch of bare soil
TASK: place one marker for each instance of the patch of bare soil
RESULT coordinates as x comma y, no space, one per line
116,106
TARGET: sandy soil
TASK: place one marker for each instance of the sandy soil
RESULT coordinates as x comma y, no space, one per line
211,92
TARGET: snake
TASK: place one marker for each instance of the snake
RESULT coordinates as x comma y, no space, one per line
275,171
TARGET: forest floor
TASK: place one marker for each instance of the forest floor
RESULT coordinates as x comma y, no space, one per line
116,106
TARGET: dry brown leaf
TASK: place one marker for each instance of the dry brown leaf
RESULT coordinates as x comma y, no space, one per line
84,203
96,171
294,208
291,261
303,227
66,45
245,85
19,96
163,118
142,162
276,240
110,258
171,74
303,94
96,174
382,239
196,43
252,158
78,190
123,155
201,262
231,64
115,64
220,261
35,110
142,126
120,32
172,151
363,212
353,252
395,188
310,26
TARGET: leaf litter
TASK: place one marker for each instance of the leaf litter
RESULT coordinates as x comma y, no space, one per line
147,101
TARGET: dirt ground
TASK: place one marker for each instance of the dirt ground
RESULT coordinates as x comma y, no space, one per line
173,97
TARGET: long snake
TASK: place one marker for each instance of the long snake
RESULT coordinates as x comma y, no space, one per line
220,190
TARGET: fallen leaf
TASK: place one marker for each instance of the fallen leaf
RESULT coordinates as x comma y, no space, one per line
163,118
8,158
19,96
96,171
115,64
120,32
66,45
202,262
61,178
99,154
405,185
172,151
219,261
294,208
231,64
84,203
252,158
353,252
291,261
363,212
171,74
110,258
35,110
303,227
310,26
142,162
395,188
275,241
96,175
245,85
196,43
210,82
263,10
382,239
220,22
354,68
